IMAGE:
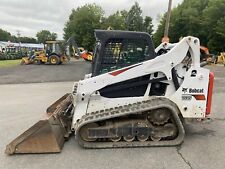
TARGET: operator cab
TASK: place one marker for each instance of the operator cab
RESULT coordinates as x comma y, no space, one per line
53,47
117,49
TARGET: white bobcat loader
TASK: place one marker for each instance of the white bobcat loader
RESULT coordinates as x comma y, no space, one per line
135,97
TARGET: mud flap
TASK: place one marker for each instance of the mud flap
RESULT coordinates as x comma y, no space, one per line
46,136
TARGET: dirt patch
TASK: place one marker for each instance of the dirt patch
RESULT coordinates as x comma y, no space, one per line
72,71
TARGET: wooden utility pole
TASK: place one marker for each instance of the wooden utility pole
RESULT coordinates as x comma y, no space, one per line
166,31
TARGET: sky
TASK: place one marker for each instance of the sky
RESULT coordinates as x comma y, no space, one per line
30,16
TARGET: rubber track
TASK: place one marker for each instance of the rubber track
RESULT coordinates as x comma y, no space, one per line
146,105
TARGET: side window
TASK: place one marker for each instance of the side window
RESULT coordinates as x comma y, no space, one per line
120,53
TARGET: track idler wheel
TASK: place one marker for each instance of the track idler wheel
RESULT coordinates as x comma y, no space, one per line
172,129
84,132
129,138
155,138
142,137
115,139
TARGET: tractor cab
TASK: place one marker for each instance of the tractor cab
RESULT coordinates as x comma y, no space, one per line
54,47
118,49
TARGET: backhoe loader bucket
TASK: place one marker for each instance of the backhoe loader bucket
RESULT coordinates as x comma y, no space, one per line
25,61
46,136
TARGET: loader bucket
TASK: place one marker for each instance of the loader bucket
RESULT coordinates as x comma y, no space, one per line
53,107
46,136
24,61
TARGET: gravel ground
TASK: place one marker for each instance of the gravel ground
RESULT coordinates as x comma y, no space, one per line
71,71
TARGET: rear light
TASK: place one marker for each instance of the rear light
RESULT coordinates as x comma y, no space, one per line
210,91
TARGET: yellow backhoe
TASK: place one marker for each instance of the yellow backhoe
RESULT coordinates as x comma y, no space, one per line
220,59
54,54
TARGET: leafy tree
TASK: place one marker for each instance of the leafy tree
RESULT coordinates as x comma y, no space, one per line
157,37
81,24
44,35
135,21
22,39
204,19
53,36
147,25
124,13
214,22
115,21
134,18
4,35
85,19
13,38
25,39
186,19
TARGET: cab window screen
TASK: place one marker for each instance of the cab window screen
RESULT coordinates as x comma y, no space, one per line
120,53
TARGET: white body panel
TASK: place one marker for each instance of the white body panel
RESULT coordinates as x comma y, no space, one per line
192,82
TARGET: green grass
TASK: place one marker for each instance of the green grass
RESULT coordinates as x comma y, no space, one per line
9,63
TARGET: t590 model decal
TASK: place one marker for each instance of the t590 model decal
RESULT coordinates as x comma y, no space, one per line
196,96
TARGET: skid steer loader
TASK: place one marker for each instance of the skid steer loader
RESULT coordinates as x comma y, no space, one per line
135,97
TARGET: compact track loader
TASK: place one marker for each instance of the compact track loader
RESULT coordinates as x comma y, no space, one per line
136,96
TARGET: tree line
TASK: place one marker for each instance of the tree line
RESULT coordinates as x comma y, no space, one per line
204,19
42,36
83,20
